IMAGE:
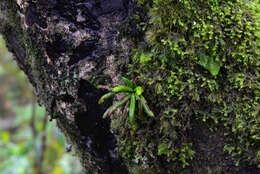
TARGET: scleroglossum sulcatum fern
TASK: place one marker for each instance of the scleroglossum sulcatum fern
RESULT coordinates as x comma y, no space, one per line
132,93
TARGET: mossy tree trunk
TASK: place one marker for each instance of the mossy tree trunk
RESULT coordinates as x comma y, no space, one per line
67,48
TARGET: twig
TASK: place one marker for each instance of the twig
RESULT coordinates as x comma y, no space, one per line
32,121
43,142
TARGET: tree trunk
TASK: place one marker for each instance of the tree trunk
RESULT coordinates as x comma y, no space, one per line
67,48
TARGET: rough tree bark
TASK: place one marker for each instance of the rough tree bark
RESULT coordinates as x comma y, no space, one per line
67,48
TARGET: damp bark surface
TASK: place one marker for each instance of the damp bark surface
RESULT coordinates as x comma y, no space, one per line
67,48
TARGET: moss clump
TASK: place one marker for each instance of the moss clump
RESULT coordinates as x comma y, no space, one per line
199,67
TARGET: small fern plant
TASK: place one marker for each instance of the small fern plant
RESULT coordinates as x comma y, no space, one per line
132,93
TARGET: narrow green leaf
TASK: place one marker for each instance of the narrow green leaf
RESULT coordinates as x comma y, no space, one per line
112,108
146,107
128,82
105,115
140,108
132,108
139,90
122,89
106,96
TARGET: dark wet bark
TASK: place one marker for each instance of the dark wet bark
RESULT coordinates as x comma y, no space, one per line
67,48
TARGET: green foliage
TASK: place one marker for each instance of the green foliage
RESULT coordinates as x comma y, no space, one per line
200,63
132,93
186,153
145,57
210,64
162,149
20,147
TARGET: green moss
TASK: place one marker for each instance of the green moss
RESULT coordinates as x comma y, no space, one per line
200,64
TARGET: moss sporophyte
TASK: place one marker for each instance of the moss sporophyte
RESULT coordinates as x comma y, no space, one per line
132,93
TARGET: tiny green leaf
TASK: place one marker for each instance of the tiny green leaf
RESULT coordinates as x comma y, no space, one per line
106,96
145,57
203,61
257,93
162,149
139,90
132,108
122,89
112,108
128,82
209,63
146,107
214,67
140,107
